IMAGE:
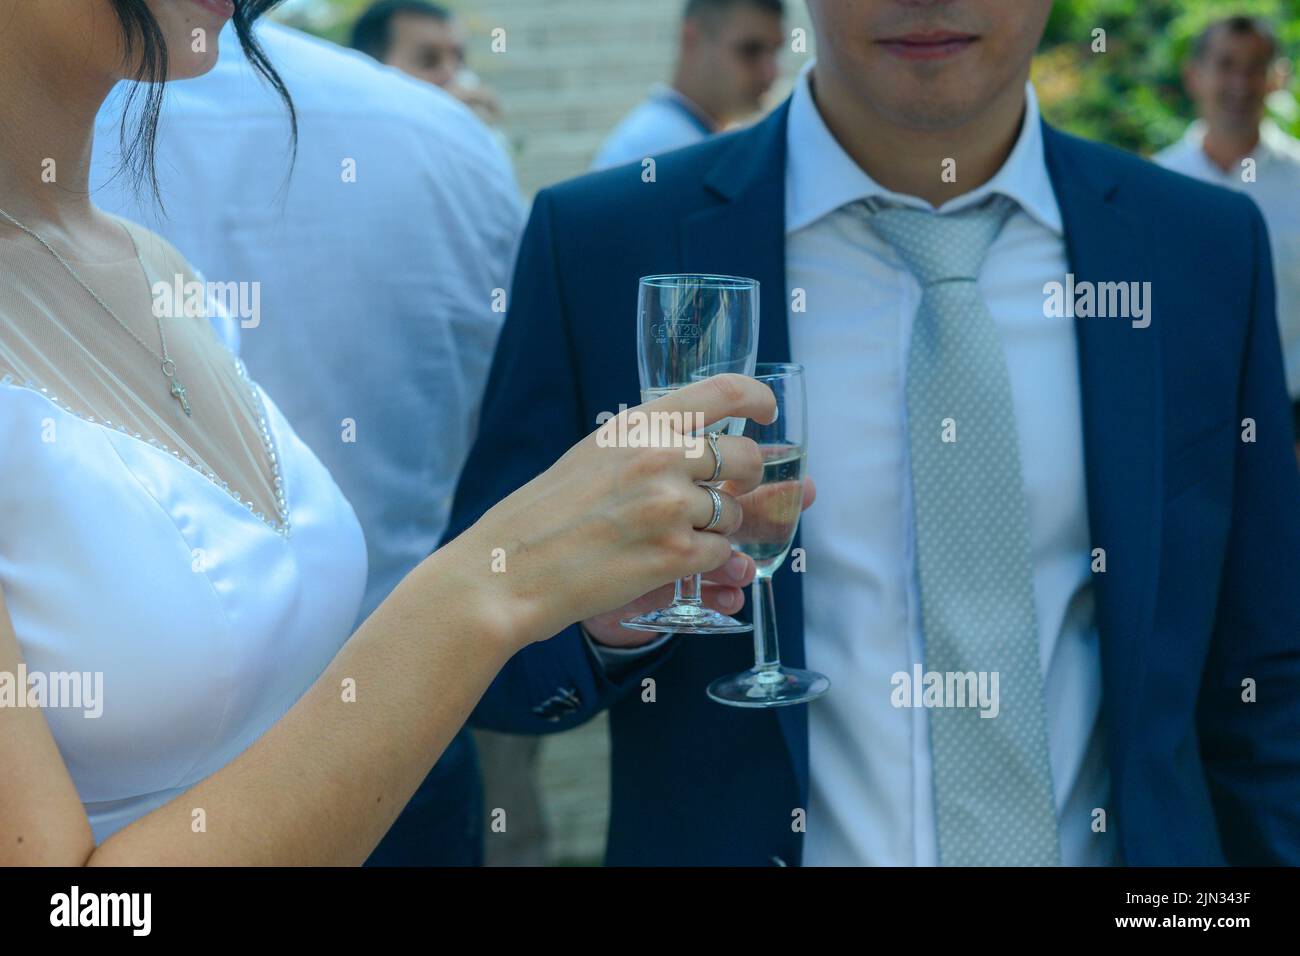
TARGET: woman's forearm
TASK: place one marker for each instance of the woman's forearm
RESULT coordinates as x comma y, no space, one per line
322,786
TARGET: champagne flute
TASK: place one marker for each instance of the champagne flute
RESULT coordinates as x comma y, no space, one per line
771,515
688,326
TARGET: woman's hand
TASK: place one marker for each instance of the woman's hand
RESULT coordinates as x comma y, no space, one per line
722,589
611,522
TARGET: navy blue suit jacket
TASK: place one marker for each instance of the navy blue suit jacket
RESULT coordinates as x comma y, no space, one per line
1201,529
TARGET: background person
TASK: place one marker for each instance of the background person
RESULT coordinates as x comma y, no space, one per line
1236,64
426,41
726,62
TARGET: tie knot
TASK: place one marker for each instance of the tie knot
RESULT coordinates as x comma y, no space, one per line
938,248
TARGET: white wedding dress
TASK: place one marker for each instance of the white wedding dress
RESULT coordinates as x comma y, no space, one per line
126,548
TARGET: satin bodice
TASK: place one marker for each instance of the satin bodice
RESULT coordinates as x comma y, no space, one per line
121,557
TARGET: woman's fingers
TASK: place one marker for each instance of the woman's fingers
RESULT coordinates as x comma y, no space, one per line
809,492
712,399
719,597
742,462
737,572
728,600
703,506
771,511
608,629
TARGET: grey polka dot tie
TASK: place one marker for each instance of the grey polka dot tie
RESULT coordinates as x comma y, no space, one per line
992,779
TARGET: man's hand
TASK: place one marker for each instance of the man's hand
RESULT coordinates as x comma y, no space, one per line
722,590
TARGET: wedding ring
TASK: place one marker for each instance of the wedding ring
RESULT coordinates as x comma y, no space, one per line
717,508
717,458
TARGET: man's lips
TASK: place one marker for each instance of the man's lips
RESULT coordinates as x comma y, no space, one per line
928,46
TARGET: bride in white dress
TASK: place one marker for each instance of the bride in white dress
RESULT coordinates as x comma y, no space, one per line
178,573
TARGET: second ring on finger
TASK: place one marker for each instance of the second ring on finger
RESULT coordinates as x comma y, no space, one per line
710,504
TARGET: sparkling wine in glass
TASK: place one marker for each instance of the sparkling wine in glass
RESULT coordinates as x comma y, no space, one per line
689,327
771,516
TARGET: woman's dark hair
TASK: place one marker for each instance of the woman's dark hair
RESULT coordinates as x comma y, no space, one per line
146,47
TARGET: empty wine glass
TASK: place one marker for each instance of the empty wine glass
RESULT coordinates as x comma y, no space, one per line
690,326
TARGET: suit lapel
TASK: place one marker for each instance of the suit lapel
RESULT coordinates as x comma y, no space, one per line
744,235
1120,382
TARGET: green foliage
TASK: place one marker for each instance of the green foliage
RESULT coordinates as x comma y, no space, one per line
333,19
1131,95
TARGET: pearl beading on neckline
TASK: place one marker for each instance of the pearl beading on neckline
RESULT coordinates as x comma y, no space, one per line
284,528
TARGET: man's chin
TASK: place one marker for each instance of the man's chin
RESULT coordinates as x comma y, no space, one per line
933,114
1239,123
934,102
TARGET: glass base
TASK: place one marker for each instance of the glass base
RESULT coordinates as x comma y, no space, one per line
769,687
687,619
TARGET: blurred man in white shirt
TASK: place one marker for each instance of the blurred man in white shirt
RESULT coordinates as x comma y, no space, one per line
726,63
1236,65
379,262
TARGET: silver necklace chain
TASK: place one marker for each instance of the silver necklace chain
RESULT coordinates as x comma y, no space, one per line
168,365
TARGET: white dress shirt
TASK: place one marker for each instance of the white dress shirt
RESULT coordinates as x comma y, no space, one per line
1276,190
377,259
664,121
871,799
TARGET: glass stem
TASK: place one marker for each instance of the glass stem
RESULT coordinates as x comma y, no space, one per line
687,591
766,654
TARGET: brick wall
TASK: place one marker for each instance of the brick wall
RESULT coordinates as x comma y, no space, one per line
572,68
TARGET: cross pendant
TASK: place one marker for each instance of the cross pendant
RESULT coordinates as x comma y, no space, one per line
180,393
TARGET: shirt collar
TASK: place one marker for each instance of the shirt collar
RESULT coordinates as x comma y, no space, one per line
821,177
678,99
1272,144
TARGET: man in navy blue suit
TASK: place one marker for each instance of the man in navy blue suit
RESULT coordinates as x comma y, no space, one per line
1051,441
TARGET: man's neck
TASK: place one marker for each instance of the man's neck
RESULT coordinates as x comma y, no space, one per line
697,95
1227,148
935,165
